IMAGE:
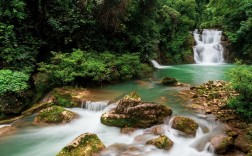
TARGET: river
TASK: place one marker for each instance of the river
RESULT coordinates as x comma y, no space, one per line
32,140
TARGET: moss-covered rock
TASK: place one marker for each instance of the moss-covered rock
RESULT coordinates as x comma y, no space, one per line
63,99
86,144
169,81
54,115
186,125
132,112
10,120
221,143
162,142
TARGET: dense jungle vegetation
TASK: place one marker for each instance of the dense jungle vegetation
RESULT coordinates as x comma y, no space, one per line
44,44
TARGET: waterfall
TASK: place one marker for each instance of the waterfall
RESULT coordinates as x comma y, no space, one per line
208,48
94,106
157,65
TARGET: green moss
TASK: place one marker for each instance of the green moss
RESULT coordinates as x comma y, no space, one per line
63,99
226,142
185,125
84,145
54,114
162,142
119,122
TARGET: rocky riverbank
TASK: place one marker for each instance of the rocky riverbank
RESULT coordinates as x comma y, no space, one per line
211,99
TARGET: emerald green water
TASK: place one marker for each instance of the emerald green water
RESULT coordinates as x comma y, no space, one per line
47,141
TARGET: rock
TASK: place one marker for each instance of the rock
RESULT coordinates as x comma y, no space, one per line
169,81
86,144
162,142
14,103
132,96
54,115
7,130
11,120
157,130
221,143
141,116
242,142
235,153
143,138
186,125
195,106
132,112
127,130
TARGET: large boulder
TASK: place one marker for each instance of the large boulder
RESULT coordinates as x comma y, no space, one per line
54,115
221,143
87,144
162,142
186,125
132,112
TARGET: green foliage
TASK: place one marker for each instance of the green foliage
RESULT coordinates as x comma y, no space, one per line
63,99
12,81
69,68
18,45
176,20
241,78
13,91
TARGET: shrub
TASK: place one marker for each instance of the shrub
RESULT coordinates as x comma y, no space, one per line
241,82
13,91
69,68
12,81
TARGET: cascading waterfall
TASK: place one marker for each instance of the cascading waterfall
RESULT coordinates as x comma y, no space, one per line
208,47
94,106
157,65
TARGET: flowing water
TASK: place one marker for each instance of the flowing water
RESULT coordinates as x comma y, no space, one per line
32,140
208,47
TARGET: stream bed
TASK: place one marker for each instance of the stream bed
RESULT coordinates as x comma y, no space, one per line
32,140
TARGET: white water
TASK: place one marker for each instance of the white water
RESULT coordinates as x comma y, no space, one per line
94,106
157,65
208,49
49,141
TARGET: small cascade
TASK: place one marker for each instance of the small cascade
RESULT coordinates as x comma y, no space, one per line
94,106
208,47
157,65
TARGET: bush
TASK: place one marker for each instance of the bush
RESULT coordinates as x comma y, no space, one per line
13,91
241,78
79,66
12,81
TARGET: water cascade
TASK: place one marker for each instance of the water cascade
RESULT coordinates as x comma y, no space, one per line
157,65
94,106
208,48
